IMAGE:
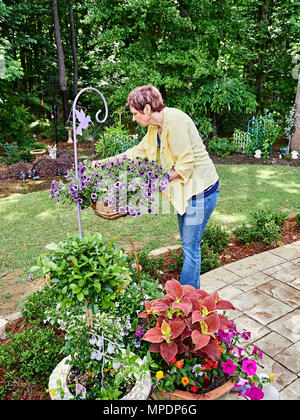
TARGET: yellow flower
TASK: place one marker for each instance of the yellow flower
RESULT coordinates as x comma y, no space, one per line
52,392
159,374
185,380
272,376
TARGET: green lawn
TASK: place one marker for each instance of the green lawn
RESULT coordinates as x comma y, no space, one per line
30,221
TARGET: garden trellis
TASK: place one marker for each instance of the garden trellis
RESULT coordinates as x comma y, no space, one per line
248,142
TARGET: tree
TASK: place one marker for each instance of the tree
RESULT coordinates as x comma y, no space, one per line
60,60
295,141
74,49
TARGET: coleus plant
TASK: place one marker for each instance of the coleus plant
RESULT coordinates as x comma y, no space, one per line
187,322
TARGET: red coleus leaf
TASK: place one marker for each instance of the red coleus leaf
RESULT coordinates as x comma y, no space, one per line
158,305
200,340
174,289
212,350
225,324
213,323
153,335
185,305
197,316
165,330
154,347
224,304
168,351
209,302
177,327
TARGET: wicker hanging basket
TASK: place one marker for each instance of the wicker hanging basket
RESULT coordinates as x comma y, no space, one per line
106,212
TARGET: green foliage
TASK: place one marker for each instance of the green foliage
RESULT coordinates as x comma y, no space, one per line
88,270
264,227
222,146
115,140
37,303
216,237
32,354
298,220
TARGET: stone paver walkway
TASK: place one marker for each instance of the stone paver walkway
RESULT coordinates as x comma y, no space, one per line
265,290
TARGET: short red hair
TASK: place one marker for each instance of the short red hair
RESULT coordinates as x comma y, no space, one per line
139,97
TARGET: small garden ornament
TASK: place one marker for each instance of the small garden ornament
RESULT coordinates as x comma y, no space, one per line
295,154
257,154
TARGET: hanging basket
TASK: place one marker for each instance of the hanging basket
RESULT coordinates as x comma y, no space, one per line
105,211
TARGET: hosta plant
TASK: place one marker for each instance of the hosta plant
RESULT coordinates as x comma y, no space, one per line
195,346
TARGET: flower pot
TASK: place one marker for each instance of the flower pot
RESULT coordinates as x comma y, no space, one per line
58,388
219,393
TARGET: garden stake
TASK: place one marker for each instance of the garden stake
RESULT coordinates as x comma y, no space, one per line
139,276
84,121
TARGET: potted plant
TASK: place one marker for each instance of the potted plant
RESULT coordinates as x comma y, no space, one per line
98,366
124,187
86,274
197,351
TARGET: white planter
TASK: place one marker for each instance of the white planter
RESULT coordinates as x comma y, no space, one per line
140,391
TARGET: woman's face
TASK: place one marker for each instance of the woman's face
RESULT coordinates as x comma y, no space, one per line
139,118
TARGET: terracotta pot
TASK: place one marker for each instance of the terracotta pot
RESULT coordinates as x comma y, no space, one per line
219,393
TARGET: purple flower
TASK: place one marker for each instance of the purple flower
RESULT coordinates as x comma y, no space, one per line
249,367
30,276
229,367
94,196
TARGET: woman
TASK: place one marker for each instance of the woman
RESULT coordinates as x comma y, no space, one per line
173,140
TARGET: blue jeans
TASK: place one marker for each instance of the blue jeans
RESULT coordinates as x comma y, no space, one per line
191,227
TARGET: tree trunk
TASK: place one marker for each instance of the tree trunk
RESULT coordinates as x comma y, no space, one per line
74,51
263,13
295,140
60,60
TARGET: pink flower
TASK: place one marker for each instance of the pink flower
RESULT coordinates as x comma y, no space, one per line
255,393
135,266
229,367
249,367
257,352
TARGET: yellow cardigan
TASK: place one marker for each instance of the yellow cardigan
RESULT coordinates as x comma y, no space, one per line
181,147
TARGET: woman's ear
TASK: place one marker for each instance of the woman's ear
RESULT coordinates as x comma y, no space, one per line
147,110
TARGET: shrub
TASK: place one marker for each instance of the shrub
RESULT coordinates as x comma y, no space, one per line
298,220
85,271
32,354
116,140
264,227
216,238
13,171
222,146
37,303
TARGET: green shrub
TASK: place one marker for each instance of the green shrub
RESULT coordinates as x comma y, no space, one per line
85,270
222,146
37,303
264,227
298,220
116,140
216,238
209,259
32,354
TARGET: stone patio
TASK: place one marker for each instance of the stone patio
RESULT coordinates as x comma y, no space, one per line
265,290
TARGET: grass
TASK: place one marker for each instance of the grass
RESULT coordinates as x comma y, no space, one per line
30,221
